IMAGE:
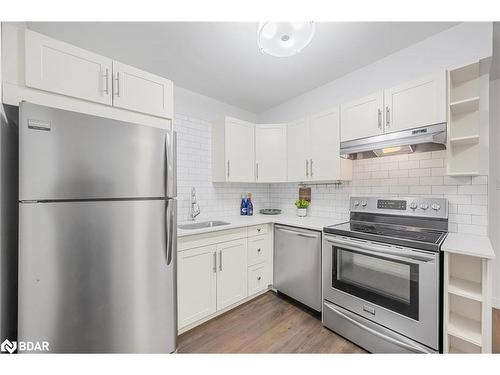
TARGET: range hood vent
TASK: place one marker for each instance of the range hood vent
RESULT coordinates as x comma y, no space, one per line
426,138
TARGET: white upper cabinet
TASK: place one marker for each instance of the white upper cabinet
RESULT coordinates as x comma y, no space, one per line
298,150
417,103
325,162
231,273
140,91
233,151
362,117
270,152
313,148
58,67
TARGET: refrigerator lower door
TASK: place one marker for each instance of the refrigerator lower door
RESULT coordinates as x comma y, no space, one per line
68,155
94,278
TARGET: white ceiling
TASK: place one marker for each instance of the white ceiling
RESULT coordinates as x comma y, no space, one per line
221,59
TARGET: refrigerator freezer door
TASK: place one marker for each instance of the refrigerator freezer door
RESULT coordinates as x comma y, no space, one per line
69,155
94,278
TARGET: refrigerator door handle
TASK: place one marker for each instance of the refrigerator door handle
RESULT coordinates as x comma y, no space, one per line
171,164
171,228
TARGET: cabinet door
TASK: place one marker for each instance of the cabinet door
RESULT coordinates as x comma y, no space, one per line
58,67
298,150
257,278
417,103
240,150
270,153
325,146
232,273
196,284
362,117
258,249
140,91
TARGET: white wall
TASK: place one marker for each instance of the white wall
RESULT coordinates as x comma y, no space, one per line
454,47
205,108
494,185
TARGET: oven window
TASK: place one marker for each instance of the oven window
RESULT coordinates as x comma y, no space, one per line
389,283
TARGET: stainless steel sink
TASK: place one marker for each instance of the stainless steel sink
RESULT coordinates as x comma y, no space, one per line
202,224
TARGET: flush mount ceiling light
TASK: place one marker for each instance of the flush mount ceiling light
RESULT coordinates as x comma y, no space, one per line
283,39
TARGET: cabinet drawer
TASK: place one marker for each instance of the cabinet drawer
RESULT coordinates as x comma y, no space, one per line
257,278
257,249
258,229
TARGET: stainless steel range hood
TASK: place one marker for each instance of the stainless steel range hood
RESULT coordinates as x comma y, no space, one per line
426,138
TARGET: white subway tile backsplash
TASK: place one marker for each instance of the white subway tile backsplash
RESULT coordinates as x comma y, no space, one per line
420,174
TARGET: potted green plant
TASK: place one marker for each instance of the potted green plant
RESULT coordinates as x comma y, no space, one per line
302,205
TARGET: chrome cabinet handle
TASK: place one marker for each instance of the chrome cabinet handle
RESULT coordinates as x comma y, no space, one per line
307,168
220,260
215,262
379,118
106,82
311,167
117,86
387,116
228,169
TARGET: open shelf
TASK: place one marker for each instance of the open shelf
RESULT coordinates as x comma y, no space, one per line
459,346
465,105
467,140
462,173
464,328
465,288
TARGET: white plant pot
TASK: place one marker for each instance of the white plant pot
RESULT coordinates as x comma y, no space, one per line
301,212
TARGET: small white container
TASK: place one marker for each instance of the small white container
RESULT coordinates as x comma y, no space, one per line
301,212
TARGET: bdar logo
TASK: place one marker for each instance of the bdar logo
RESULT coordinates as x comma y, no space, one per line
8,346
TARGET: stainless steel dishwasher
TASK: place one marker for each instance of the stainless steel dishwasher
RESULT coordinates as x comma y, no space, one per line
297,264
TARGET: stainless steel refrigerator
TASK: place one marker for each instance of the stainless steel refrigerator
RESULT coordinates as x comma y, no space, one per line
97,233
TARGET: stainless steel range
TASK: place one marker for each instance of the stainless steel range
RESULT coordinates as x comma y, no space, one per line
381,274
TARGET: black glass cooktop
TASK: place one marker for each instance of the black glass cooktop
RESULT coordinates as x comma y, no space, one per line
421,238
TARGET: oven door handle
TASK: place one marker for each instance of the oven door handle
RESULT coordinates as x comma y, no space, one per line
411,348
374,249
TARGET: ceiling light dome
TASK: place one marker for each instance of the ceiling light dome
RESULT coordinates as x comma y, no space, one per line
283,39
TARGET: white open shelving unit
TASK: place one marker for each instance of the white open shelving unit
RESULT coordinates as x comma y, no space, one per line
467,306
463,121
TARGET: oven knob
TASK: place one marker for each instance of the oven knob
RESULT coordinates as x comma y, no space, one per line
424,206
364,203
356,203
413,205
436,207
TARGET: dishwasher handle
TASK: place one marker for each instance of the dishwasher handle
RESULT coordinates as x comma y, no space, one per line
297,233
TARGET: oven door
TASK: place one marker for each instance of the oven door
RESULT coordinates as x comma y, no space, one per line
394,286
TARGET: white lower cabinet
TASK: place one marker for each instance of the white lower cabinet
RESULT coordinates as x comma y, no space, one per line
231,273
196,284
257,278
219,270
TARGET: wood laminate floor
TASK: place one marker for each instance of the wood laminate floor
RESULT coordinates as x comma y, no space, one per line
266,324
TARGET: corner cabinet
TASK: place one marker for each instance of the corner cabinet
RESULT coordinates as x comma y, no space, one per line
313,146
270,152
413,104
233,151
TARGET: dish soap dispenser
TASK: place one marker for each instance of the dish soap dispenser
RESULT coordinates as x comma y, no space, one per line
243,205
249,205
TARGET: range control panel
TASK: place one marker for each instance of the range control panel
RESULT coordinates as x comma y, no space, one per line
416,206
391,204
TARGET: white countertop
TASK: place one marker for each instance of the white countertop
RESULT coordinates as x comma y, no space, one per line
315,223
468,244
